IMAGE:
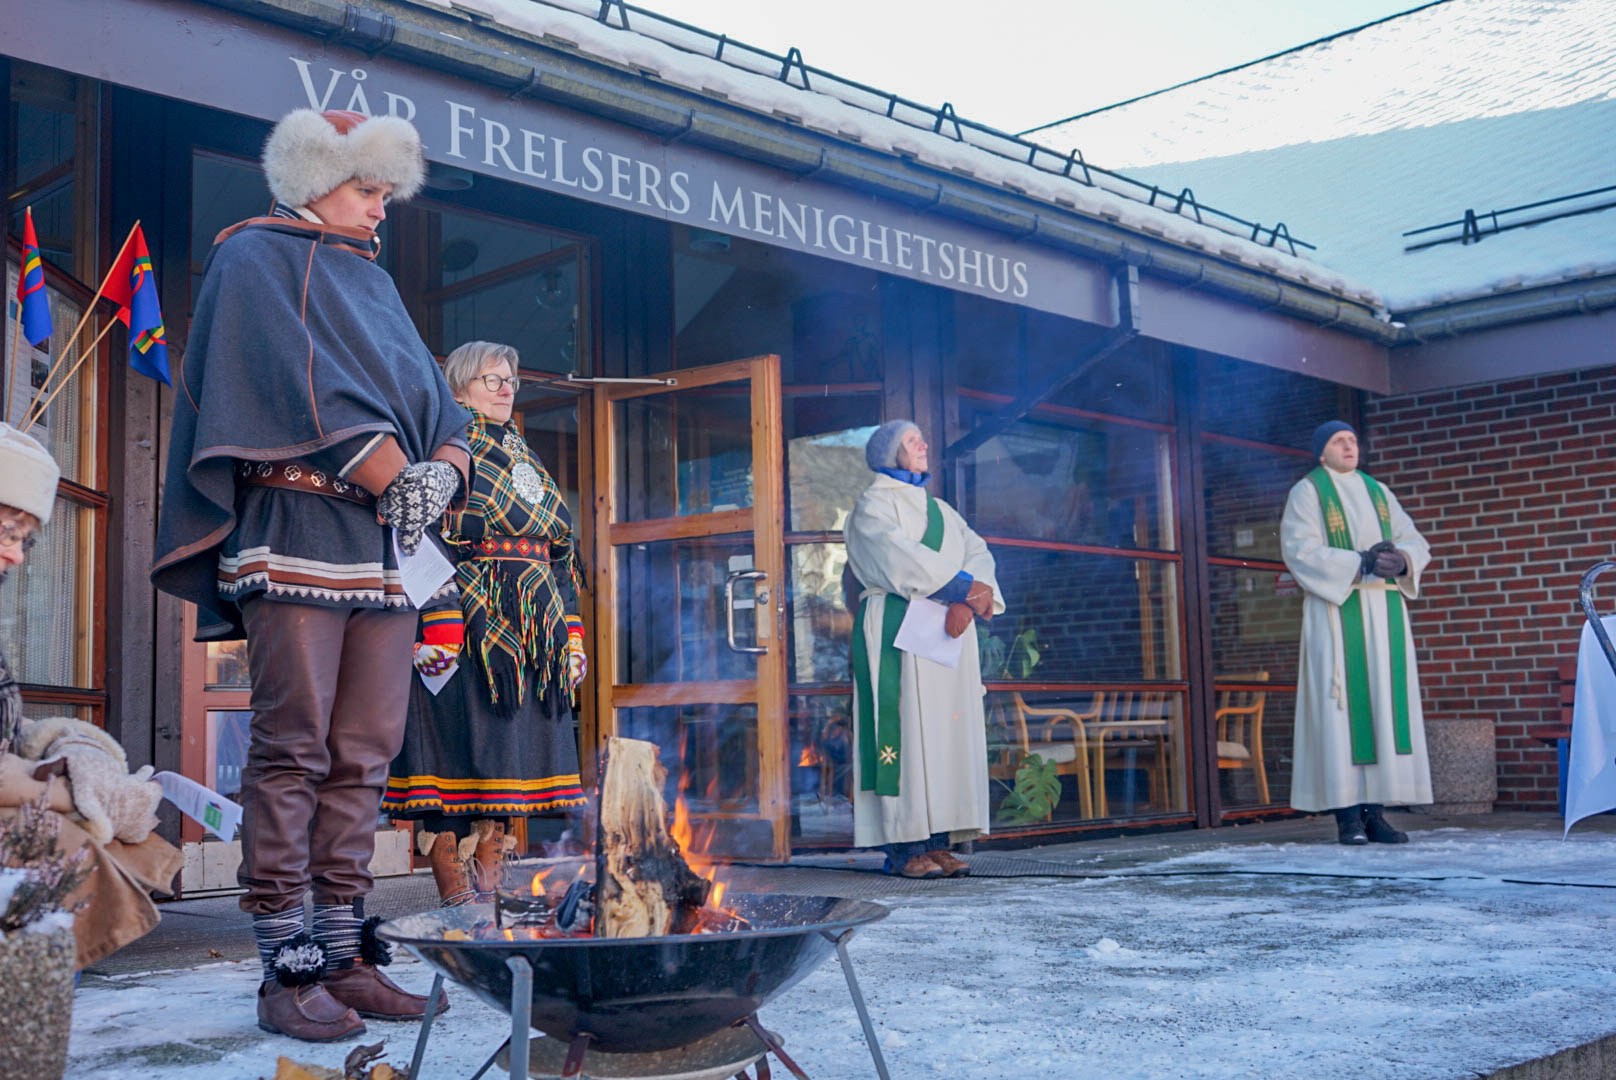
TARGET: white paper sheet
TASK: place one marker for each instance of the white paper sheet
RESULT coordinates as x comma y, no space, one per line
424,572
435,683
202,805
922,633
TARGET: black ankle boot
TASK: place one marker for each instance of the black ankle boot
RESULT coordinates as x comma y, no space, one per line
1378,829
1349,825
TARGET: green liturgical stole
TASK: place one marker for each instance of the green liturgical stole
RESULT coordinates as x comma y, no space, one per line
879,730
1354,647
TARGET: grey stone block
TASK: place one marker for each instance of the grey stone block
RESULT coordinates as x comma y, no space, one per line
1464,764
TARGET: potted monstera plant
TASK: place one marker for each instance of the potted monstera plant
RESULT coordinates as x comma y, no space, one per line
37,947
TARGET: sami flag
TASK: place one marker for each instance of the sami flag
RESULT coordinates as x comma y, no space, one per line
133,287
32,300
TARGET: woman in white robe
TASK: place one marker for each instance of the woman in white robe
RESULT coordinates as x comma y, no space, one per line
1324,775
942,795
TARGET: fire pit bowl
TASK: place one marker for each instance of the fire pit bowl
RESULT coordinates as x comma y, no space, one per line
641,994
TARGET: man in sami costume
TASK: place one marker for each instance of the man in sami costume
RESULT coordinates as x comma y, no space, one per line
920,738
312,432
1360,732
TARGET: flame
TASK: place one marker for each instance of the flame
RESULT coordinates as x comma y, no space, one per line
509,936
715,899
809,757
538,881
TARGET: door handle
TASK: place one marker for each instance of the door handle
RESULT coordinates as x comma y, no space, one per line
729,606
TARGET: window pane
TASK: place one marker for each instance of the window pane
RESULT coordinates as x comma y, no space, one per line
43,609
1256,622
550,425
1246,490
1000,349
1082,618
223,192
821,625
684,452
45,710
228,736
39,157
673,623
1264,404
1254,733
1088,483
736,298
711,756
536,313
825,475
1114,754
226,666
60,429
822,769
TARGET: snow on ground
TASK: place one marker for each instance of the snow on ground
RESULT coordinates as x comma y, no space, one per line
1203,973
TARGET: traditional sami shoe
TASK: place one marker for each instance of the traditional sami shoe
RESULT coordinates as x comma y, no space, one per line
449,871
305,1012
1378,829
949,863
365,990
919,866
1349,825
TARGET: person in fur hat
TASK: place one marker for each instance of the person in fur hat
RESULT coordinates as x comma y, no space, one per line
920,762
313,441
75,768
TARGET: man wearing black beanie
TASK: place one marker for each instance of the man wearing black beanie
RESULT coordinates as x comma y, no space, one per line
1360,731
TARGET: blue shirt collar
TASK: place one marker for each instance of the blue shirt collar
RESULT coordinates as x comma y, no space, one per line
916,478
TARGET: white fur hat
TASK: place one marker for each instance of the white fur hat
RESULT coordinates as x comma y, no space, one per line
310,154
28,474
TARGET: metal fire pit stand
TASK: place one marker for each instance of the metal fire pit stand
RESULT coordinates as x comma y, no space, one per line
521,1028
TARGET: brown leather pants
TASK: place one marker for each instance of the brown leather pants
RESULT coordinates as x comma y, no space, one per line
330,688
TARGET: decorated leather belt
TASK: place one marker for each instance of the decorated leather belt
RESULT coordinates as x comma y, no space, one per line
527,548
300,476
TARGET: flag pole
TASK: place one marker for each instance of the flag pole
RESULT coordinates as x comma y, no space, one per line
67,347
16,333
36,415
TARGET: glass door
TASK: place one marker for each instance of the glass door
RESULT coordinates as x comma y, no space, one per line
690,593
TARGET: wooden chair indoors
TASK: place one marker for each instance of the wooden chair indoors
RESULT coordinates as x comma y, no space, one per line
1057,735
1131,723
1239,718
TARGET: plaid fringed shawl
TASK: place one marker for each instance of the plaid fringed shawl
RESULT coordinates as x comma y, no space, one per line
516,626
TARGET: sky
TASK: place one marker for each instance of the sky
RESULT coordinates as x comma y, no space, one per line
1017,64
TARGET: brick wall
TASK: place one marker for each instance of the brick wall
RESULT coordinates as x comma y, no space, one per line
1510,483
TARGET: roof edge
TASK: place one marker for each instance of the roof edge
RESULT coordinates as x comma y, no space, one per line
594,85
1231,69
1584,296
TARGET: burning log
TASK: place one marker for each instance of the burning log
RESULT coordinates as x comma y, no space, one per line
643,886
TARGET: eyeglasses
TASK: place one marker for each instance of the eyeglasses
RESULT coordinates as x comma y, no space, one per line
492,383
16,534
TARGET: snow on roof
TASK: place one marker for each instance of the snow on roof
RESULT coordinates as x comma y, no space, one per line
751,81
1402,124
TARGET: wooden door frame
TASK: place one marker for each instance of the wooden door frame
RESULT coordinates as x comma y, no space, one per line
764,519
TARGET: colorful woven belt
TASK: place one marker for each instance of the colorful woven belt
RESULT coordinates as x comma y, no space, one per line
528,548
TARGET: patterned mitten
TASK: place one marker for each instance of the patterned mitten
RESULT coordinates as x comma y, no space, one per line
443,633
577,659
416,499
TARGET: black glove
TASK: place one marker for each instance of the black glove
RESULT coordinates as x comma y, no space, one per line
416,499
1366,562
1390,562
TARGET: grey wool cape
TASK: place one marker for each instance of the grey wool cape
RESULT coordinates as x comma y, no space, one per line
300,349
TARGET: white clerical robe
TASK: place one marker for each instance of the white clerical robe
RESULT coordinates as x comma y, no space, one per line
1323,775
943,757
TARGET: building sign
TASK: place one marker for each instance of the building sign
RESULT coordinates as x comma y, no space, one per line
257,69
